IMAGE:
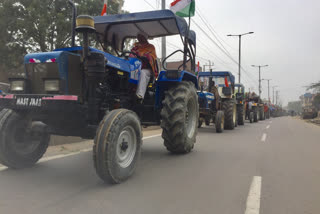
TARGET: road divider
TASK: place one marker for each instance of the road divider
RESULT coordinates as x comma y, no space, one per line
45,159
254,196
264,137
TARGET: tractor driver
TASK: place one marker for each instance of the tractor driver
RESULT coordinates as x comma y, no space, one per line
144,49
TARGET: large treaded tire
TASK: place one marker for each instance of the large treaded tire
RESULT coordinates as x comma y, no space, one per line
22,142
219,123
241,115
255,114
230,112
251,116
179,117
261,113
109,165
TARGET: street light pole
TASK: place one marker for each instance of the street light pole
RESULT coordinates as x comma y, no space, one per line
239,63
277,94
259,66
268,89
273,93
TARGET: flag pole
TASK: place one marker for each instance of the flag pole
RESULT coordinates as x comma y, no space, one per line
186,42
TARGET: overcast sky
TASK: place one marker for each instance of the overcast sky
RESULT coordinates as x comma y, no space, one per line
287,34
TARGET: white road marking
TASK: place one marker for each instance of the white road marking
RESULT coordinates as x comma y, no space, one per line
264,137
2,168
62,156
268,126
254,196
152,136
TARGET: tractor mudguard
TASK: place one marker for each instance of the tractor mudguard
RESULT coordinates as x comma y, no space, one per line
168,78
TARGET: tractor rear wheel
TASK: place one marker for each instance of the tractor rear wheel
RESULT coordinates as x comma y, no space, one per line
117,146
22,142
219,123
230,113
255,114
241,115
179,114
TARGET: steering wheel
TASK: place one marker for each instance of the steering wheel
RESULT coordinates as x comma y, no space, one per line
141,58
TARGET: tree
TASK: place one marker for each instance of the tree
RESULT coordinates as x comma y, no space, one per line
314,86
40,26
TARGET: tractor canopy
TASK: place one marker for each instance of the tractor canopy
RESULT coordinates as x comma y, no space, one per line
239,88
113,30
217,74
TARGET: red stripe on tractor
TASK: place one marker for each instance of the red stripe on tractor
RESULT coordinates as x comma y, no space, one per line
61,97
9,96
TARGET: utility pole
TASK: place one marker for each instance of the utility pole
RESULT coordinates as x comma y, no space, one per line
268,89
277,94
273,93
210,65
239,63
164,41
259,66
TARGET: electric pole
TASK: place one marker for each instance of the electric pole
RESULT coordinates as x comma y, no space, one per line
239,63
164,41
268,89
259,66
273,93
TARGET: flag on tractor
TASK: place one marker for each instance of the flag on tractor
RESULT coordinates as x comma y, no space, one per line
183,8
198,69
104,10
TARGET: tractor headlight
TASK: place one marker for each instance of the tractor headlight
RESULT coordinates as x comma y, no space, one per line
17,85
52,85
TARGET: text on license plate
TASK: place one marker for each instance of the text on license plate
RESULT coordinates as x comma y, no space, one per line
36,102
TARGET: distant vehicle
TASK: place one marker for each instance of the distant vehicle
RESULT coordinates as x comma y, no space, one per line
309,110
216,99
240,95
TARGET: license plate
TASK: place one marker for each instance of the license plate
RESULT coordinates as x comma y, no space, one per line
28,101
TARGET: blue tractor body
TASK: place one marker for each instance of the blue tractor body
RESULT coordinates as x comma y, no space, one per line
66,66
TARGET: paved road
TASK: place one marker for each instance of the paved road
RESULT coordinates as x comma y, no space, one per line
272,167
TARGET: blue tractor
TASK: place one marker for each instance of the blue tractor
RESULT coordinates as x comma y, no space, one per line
240,99
216,99
83,91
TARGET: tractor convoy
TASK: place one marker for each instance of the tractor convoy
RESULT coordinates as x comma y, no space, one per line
90,93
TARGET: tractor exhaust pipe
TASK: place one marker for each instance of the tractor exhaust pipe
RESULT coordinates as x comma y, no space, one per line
74,16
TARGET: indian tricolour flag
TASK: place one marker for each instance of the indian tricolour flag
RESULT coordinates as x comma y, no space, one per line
183,8
104,9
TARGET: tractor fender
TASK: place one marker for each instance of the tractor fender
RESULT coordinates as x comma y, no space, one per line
169,78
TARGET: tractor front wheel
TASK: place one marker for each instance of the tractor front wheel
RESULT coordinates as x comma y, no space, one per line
241,115
22,142
219,123
179,117
230,114
117,146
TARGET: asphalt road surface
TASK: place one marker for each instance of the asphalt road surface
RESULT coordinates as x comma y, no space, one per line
270,167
